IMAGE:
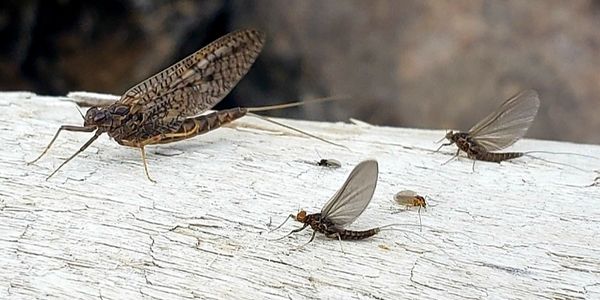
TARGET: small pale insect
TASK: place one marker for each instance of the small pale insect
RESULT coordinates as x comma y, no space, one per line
410,198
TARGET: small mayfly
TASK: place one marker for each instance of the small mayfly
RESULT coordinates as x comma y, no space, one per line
346,205
498,130
410,198
168,106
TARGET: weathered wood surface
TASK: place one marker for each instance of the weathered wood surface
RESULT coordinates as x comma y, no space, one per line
99,229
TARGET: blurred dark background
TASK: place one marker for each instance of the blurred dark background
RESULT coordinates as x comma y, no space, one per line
412,63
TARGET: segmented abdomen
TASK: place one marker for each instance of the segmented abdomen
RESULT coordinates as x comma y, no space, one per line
498,157
357,235
203,124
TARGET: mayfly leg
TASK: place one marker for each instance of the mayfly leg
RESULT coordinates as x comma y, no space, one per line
339,238
291,232
452,158
87,144
146,164
66,128
312,238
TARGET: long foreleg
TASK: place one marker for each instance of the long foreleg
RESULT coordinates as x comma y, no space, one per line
87,144
67,128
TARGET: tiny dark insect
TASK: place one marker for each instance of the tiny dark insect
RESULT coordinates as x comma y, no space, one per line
500,129
329,163
168,106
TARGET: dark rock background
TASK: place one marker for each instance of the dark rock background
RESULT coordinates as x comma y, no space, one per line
428,64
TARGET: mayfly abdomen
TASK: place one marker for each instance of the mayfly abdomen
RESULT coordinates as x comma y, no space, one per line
498,157
219,118
357,235
203,124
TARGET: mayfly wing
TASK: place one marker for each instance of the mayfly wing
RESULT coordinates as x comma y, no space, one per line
508,123
354,196
199,81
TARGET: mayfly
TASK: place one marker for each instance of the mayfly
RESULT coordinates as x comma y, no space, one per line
500,129
346,205
410,198
168,106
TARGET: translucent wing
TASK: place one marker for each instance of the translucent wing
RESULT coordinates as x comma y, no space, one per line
354,196
508,123
197,82
405,197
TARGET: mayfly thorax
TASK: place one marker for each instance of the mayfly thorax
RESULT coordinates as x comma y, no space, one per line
168,106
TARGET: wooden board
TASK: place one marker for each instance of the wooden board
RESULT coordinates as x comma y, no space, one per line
100,230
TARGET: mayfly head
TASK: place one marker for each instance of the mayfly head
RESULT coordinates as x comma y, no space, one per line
97,117
420,201
301,216
105,116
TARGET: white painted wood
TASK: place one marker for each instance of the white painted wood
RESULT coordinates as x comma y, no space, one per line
100,230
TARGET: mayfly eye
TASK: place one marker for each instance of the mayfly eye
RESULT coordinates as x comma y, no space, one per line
99,116
122,110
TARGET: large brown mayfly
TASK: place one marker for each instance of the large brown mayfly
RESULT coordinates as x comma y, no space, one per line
346,205
167,107
500,129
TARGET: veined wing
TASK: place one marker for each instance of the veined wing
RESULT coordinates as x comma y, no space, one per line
197,82
354,196
507,123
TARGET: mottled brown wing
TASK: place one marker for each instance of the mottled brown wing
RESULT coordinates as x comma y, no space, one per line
197,82
354,196
508,123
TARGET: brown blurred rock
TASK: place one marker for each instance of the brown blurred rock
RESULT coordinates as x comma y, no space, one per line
444,64
429,64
